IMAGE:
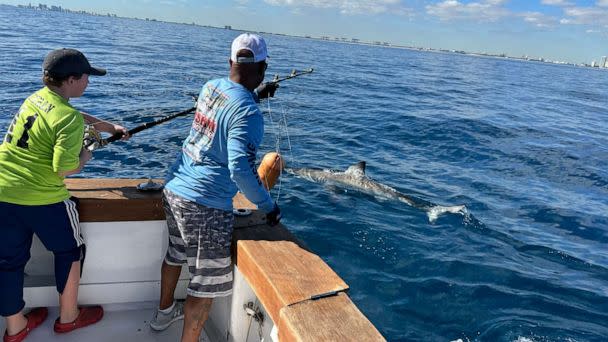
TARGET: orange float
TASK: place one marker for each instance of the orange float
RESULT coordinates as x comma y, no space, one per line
270,169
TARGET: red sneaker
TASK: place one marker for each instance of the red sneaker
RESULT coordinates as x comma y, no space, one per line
87,316
34,319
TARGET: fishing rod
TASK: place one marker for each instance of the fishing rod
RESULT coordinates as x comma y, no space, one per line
150,125
93,140
293,74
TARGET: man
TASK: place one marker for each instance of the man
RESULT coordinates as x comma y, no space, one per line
217,158
42,146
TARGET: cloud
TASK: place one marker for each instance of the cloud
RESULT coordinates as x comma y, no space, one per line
556,2
173,3
538,19
349,7
494,10
490,11
484,10
592,16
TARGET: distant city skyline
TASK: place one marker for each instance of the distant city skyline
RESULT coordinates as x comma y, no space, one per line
574,31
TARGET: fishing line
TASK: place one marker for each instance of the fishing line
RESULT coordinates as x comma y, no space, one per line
283,128
276,131
274,128
284,113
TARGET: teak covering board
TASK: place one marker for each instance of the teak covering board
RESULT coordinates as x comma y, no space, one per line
115,199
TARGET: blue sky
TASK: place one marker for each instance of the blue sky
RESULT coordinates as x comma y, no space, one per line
567,30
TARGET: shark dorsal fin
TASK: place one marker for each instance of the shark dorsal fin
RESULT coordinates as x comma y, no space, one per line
356,169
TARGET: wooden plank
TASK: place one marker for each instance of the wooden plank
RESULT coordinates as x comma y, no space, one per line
281,273
112,200
109,188
255,228
115,199
334,318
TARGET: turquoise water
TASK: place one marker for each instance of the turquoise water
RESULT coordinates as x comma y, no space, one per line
523,145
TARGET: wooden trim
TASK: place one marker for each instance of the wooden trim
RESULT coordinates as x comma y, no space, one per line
281,274
333,318
112,200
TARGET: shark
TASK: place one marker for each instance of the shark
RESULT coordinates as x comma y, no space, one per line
354,178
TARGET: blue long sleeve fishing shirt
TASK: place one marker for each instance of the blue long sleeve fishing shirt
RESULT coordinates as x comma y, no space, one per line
219,155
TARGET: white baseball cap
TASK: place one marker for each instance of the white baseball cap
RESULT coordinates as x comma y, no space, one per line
251,42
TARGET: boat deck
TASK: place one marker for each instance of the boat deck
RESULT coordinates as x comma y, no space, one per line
121,323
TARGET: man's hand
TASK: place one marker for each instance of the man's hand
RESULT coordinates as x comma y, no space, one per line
274,217
266,90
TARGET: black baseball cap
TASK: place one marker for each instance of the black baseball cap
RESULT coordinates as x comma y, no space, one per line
65,62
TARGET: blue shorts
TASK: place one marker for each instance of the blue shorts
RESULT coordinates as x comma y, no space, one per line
56,225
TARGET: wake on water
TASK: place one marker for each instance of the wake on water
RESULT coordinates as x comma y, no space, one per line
435,211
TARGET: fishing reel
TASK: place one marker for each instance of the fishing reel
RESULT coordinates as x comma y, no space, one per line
92,140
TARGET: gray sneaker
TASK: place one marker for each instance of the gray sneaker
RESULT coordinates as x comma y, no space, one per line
162,321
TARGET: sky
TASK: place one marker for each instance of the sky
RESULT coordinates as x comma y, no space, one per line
573,31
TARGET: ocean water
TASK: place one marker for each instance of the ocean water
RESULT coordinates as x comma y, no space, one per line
523,145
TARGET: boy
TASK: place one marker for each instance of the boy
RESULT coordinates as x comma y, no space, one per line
42,146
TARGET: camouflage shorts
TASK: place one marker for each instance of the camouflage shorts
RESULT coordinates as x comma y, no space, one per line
201,237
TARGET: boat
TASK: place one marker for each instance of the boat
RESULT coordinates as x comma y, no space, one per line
282,291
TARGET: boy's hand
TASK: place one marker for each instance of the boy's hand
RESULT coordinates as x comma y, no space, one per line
117,129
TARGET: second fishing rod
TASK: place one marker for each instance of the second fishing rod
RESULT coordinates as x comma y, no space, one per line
94,141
